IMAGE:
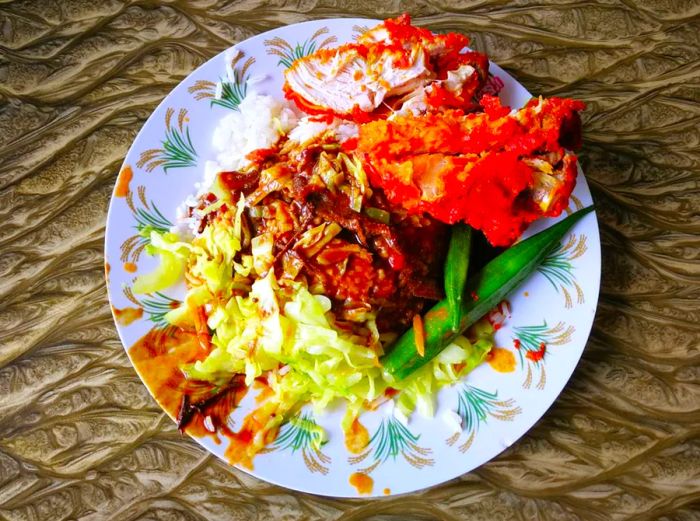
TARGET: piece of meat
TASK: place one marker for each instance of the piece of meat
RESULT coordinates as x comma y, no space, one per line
495,170
459,80
391,61
354,78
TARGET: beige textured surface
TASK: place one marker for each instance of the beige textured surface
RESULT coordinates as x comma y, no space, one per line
80,438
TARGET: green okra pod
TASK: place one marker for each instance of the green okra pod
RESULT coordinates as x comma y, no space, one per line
483,291
456,269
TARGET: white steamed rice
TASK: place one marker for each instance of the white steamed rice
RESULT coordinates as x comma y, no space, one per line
258,123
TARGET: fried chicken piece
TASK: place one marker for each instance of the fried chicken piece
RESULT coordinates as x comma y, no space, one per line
391,65
496,170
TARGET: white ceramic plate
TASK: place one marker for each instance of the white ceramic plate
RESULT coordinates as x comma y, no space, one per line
555,306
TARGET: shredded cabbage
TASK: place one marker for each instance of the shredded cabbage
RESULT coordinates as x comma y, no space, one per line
418,390
279,329
172,253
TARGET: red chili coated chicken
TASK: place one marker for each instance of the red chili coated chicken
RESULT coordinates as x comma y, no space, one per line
496,170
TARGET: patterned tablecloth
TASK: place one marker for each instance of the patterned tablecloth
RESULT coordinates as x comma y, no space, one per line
80,438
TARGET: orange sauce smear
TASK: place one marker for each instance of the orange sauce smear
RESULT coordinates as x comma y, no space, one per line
265,390
130,267
159,357
362,483
501,360
126,316
121,189
252,437
356,437
419,334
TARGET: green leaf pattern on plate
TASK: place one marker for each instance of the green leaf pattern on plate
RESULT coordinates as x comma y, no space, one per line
177,149
474,406
302,433
155,306
531,344
229,92
148,217
558,269
289,53
392,439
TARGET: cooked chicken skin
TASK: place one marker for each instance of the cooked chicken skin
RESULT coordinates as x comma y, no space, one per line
496,170
393,61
